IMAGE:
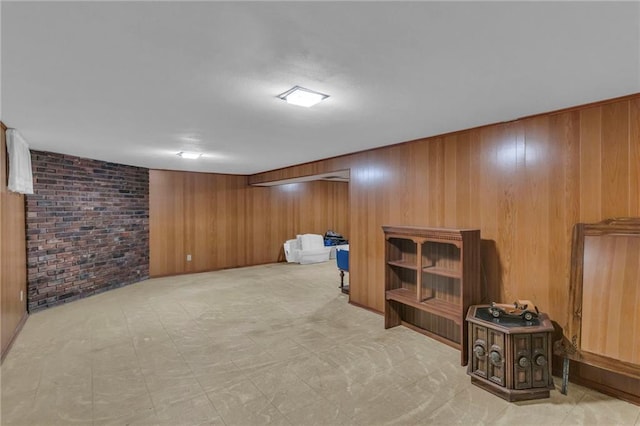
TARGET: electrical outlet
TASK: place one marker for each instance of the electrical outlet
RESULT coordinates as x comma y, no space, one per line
21,295
188,258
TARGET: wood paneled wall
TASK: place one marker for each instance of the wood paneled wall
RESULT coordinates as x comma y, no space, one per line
524,183
13,261
223,223
198,214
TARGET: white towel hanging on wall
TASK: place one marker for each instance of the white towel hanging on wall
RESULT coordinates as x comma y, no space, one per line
20,175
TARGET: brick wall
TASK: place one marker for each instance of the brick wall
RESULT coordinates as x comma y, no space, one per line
87,228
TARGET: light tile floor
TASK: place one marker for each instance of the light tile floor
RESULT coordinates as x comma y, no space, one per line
273,344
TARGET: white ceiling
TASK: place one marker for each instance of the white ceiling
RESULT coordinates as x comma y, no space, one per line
127,82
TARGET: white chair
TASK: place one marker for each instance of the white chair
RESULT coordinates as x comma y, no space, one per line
292,250
312,249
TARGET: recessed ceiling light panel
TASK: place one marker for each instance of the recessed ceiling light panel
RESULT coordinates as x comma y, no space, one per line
189,155
302,97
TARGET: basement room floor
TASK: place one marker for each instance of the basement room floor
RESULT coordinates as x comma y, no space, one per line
273,344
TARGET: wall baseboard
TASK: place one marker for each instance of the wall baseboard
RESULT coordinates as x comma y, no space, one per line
606,382
607,390
17,330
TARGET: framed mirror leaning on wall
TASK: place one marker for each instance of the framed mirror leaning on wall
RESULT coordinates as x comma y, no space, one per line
604,313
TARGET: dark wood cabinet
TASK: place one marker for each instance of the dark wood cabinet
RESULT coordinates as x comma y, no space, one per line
508,357
432,277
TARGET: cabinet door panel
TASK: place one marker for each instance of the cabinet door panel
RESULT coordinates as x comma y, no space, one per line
522,361
496,357
539,360
479,351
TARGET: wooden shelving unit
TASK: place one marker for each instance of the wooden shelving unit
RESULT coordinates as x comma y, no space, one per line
432,277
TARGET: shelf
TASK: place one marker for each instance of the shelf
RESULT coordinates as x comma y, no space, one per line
445,283
403,264
434,270
434,306
442,241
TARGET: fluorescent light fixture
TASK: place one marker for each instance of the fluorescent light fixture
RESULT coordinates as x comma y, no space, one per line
302,97
189,155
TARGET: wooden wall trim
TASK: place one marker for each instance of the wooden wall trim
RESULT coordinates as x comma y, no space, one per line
206,173
595,104
361,306
614,391
604,381
13,336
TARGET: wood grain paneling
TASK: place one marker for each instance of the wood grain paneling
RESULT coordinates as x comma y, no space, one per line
196,214
610,319
590,161
13,261
523,183
634,155
223,223
615,167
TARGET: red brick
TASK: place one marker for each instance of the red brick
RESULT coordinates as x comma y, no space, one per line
87,227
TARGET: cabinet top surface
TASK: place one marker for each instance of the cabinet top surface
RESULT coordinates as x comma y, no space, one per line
406,229
478,314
